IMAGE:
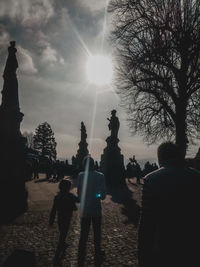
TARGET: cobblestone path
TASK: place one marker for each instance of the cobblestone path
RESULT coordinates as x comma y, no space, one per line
31,231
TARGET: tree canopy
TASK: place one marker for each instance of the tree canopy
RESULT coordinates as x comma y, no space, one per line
158,67
44,141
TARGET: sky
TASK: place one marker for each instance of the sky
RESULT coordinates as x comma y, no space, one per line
54,39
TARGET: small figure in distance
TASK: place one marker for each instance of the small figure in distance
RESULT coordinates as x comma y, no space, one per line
36,168
91,190
169,229
64,204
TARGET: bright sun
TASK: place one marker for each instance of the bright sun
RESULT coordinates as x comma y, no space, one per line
99,70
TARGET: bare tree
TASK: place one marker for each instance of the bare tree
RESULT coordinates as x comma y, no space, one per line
158,67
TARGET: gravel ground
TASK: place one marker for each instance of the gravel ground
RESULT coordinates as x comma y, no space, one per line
31,232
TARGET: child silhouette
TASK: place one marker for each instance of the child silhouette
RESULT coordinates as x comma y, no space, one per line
64,204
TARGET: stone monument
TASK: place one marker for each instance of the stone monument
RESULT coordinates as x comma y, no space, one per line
13,195
112,161
82,151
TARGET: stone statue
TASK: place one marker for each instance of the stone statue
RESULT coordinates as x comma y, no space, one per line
11,64
112,161
113,124
82,151
83,132
10,99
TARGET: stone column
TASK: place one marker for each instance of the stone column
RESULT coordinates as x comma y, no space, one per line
13,195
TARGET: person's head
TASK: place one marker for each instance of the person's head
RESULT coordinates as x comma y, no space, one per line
64,185
168,152
113,112
88,160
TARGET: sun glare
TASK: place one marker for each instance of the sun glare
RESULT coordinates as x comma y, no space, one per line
99,70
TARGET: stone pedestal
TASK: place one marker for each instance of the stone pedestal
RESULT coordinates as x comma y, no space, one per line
112,164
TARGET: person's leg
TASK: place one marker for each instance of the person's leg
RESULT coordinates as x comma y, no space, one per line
96,223
85,227
63,229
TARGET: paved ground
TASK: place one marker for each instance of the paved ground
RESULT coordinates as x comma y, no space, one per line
31,231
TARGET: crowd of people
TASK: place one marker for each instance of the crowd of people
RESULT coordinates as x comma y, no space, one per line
56,170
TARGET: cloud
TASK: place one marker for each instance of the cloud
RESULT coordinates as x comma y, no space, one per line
25,60
4,37
94,5
49,55
27,12
52,37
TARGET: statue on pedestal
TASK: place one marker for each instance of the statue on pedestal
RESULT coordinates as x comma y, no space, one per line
113,124
112,162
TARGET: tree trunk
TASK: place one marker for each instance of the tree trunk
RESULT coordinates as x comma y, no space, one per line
181,127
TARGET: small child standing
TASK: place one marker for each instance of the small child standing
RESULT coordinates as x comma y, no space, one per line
64,204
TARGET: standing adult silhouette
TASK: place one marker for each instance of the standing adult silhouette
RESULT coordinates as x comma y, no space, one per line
91,190
169,227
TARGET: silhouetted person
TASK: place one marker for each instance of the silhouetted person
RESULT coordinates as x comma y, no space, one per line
64,204
91,190
154,166
35,168
113,124
133,169
138,172
147,168
169,227
74,161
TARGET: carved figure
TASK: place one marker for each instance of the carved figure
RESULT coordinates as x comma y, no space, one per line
83,132
113,124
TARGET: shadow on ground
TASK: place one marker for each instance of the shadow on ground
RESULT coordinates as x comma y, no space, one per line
130,208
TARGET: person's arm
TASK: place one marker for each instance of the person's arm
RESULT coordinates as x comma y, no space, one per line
75,200
52,213
103,187
79,186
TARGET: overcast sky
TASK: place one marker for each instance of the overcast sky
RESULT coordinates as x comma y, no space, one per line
53,38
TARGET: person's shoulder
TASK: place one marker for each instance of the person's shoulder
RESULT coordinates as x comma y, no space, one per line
155,174
193,172
57,196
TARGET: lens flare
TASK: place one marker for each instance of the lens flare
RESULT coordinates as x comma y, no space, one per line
99,70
